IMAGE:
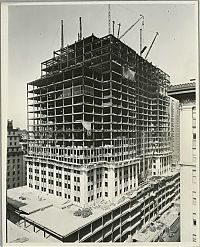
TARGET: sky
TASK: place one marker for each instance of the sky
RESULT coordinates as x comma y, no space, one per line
34,33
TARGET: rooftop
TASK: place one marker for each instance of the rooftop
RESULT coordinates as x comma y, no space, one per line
154,228
38,206
17,234
181,91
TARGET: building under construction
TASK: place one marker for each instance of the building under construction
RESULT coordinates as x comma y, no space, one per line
98,121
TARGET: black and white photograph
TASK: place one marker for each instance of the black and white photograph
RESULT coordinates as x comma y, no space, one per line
100,123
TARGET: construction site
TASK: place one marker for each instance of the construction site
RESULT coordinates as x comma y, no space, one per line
144,214
98,120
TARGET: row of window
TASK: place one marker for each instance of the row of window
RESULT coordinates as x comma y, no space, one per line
13,179
13,160
13,133
91,198
58,193
14,149
57,168
13,143
14,167
58,175
194,197
13,185
13,173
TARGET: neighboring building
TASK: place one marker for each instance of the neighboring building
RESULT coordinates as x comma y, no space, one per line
165,228
24,140
98,122
16,169
189,207
57,218
175,130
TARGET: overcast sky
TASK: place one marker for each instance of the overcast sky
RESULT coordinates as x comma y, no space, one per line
34,33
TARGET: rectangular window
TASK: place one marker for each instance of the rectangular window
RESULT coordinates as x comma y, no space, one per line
194,237
194,219
194,178
194,198
106,175
106,194
106,184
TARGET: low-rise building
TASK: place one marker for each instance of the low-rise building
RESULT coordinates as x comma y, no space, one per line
107,221
16,169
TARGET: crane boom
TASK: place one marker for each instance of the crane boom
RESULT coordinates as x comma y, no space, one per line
151,45
131,27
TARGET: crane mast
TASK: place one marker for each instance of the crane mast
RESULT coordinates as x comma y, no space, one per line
141,17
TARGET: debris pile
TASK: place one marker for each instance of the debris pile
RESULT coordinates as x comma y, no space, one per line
84,213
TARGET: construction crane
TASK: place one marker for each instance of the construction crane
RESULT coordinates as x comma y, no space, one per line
141,17
109,18
151,45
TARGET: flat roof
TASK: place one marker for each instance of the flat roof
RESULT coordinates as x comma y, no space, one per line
182,91
17,234
51,211
55,213
147,233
